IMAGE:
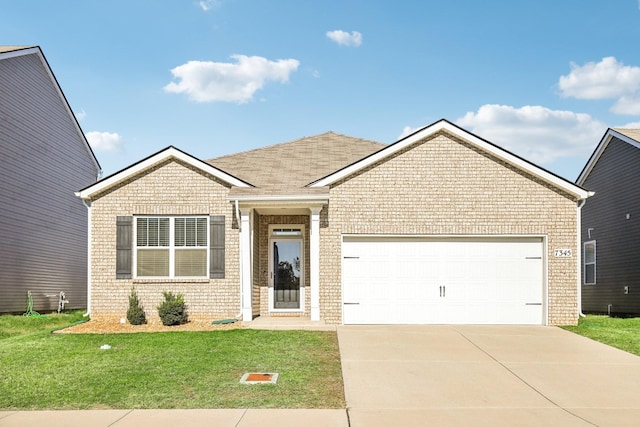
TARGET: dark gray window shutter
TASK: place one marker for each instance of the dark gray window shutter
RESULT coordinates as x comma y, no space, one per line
216,242
124,243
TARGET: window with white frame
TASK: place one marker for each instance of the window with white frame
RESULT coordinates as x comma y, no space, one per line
590,262
172,246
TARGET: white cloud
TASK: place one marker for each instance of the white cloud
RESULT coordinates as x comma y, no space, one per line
536,133
206,5
407,130
344,38
104,141
206,81
81,115
605,79
629,104
632,125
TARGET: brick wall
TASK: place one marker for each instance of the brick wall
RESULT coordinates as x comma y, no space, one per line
443,186
170,188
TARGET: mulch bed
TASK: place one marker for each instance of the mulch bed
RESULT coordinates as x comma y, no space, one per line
96,327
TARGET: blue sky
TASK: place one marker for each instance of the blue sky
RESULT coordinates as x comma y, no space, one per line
543,79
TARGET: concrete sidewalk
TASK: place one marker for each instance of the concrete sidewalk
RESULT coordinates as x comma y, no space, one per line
178,417
485,376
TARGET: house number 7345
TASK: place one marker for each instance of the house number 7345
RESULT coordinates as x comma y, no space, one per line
563,253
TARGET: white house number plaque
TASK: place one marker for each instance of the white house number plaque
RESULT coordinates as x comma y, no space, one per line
563,253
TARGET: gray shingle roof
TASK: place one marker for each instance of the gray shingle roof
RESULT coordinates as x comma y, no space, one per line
285,169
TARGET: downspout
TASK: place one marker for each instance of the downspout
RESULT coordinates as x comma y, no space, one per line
579,255
87,203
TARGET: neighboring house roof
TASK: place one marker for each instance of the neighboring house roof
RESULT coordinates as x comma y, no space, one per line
7,52
13,48
477,142
169,153
286,169
630,136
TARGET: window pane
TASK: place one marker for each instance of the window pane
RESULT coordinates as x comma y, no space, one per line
590,274
153,231
191,262
190,231
153,262
180,232
202,232
141,231
589,252
163,232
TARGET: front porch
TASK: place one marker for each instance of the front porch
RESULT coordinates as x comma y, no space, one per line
279,260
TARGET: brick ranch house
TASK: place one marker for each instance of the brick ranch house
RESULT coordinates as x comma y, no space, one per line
439,227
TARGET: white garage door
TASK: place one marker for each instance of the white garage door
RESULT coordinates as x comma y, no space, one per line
442,281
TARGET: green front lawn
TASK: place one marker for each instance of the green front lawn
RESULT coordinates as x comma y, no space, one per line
616,332
41,370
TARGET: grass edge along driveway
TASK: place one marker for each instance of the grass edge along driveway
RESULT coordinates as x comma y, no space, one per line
164,370
620,333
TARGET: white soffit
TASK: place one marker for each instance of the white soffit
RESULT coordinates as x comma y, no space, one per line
444,125
604,143
166,154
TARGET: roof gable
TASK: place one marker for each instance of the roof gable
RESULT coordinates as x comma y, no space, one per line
7,52
630,136
153,160
479,143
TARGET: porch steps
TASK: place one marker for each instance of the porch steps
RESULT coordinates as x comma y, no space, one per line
288,323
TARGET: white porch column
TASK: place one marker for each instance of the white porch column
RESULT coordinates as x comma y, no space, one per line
245,264
314,262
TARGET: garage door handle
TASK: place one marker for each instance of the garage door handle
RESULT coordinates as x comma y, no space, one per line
351,303
532,303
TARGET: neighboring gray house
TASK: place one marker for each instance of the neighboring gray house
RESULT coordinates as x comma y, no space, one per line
611,226
440,227
44,158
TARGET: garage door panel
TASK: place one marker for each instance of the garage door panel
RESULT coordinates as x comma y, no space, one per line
464,281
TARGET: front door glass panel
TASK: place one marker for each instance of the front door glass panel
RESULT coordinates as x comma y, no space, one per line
286,274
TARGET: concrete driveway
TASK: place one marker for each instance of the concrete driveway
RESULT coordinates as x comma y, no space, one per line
485,376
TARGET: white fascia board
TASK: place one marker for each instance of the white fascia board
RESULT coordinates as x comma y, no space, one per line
604,143
169,153
444,125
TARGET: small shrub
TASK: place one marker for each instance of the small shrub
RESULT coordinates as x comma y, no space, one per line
135,313
173,310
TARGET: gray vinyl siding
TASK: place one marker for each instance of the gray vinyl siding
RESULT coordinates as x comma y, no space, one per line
616,181
43,161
